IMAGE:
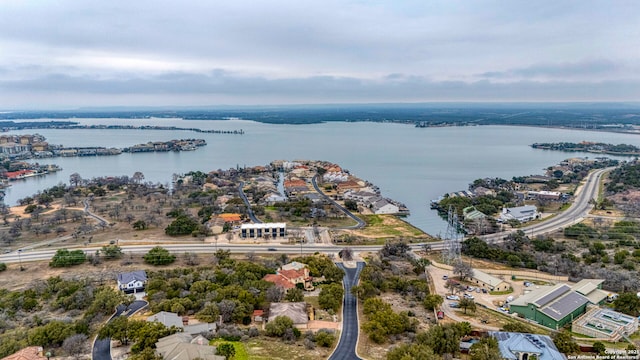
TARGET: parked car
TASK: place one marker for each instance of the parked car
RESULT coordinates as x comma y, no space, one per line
477,290
453,297
469,296
484,291
454,305
445,277
527,284
471,288
440,315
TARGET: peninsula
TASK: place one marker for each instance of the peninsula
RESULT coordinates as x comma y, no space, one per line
592,147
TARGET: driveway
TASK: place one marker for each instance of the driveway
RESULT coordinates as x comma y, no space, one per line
102,347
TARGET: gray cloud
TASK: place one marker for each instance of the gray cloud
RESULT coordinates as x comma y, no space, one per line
307,51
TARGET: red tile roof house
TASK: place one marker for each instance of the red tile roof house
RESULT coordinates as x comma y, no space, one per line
288,277
28,353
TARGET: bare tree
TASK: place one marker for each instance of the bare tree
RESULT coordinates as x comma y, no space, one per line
75,179
462,269
137,177
76,345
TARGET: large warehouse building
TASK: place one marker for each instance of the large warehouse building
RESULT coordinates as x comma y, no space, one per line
558,305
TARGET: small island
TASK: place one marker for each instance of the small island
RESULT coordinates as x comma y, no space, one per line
592,147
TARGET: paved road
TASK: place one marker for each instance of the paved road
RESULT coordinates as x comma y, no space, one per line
360,222
346,348
102,347
576,212
252,216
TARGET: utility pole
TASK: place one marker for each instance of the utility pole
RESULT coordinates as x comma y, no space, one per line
20,259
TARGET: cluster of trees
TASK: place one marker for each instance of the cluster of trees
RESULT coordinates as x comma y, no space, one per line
439,340
322,266
22,323
476,247
626,176
330,297
382,322
282,327
159,256
384,275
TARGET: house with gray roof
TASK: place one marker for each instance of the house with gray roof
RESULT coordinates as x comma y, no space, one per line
520,346
133,281
296,311
520,213
181,346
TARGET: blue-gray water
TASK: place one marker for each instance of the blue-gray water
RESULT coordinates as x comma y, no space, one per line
410,165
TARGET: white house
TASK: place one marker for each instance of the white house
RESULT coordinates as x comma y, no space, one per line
520,213
132,281
383,206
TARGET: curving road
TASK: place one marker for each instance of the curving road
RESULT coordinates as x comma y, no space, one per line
102,347
346,348
360,223
579,209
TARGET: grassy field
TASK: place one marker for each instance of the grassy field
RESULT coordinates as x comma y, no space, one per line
381,228
241,350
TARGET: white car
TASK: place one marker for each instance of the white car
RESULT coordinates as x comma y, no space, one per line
468,296
453,297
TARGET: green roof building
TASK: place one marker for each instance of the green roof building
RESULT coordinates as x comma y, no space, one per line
551,306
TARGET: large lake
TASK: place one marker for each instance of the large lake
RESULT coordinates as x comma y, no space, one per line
411,165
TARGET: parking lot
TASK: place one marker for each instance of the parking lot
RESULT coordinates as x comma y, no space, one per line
441,276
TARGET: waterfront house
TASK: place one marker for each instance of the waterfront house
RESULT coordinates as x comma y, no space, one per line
383,206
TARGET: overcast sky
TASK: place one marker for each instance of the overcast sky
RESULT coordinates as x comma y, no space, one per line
71,53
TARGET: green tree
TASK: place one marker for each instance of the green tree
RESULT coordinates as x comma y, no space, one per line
182,225
140,225
120,328
294,295
330,297
325,338
628,303
565,343
3,266
65,258
278,326
467,304
111,252
599,348
147,335
433,301
486,349
159,256
411,352
227,350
